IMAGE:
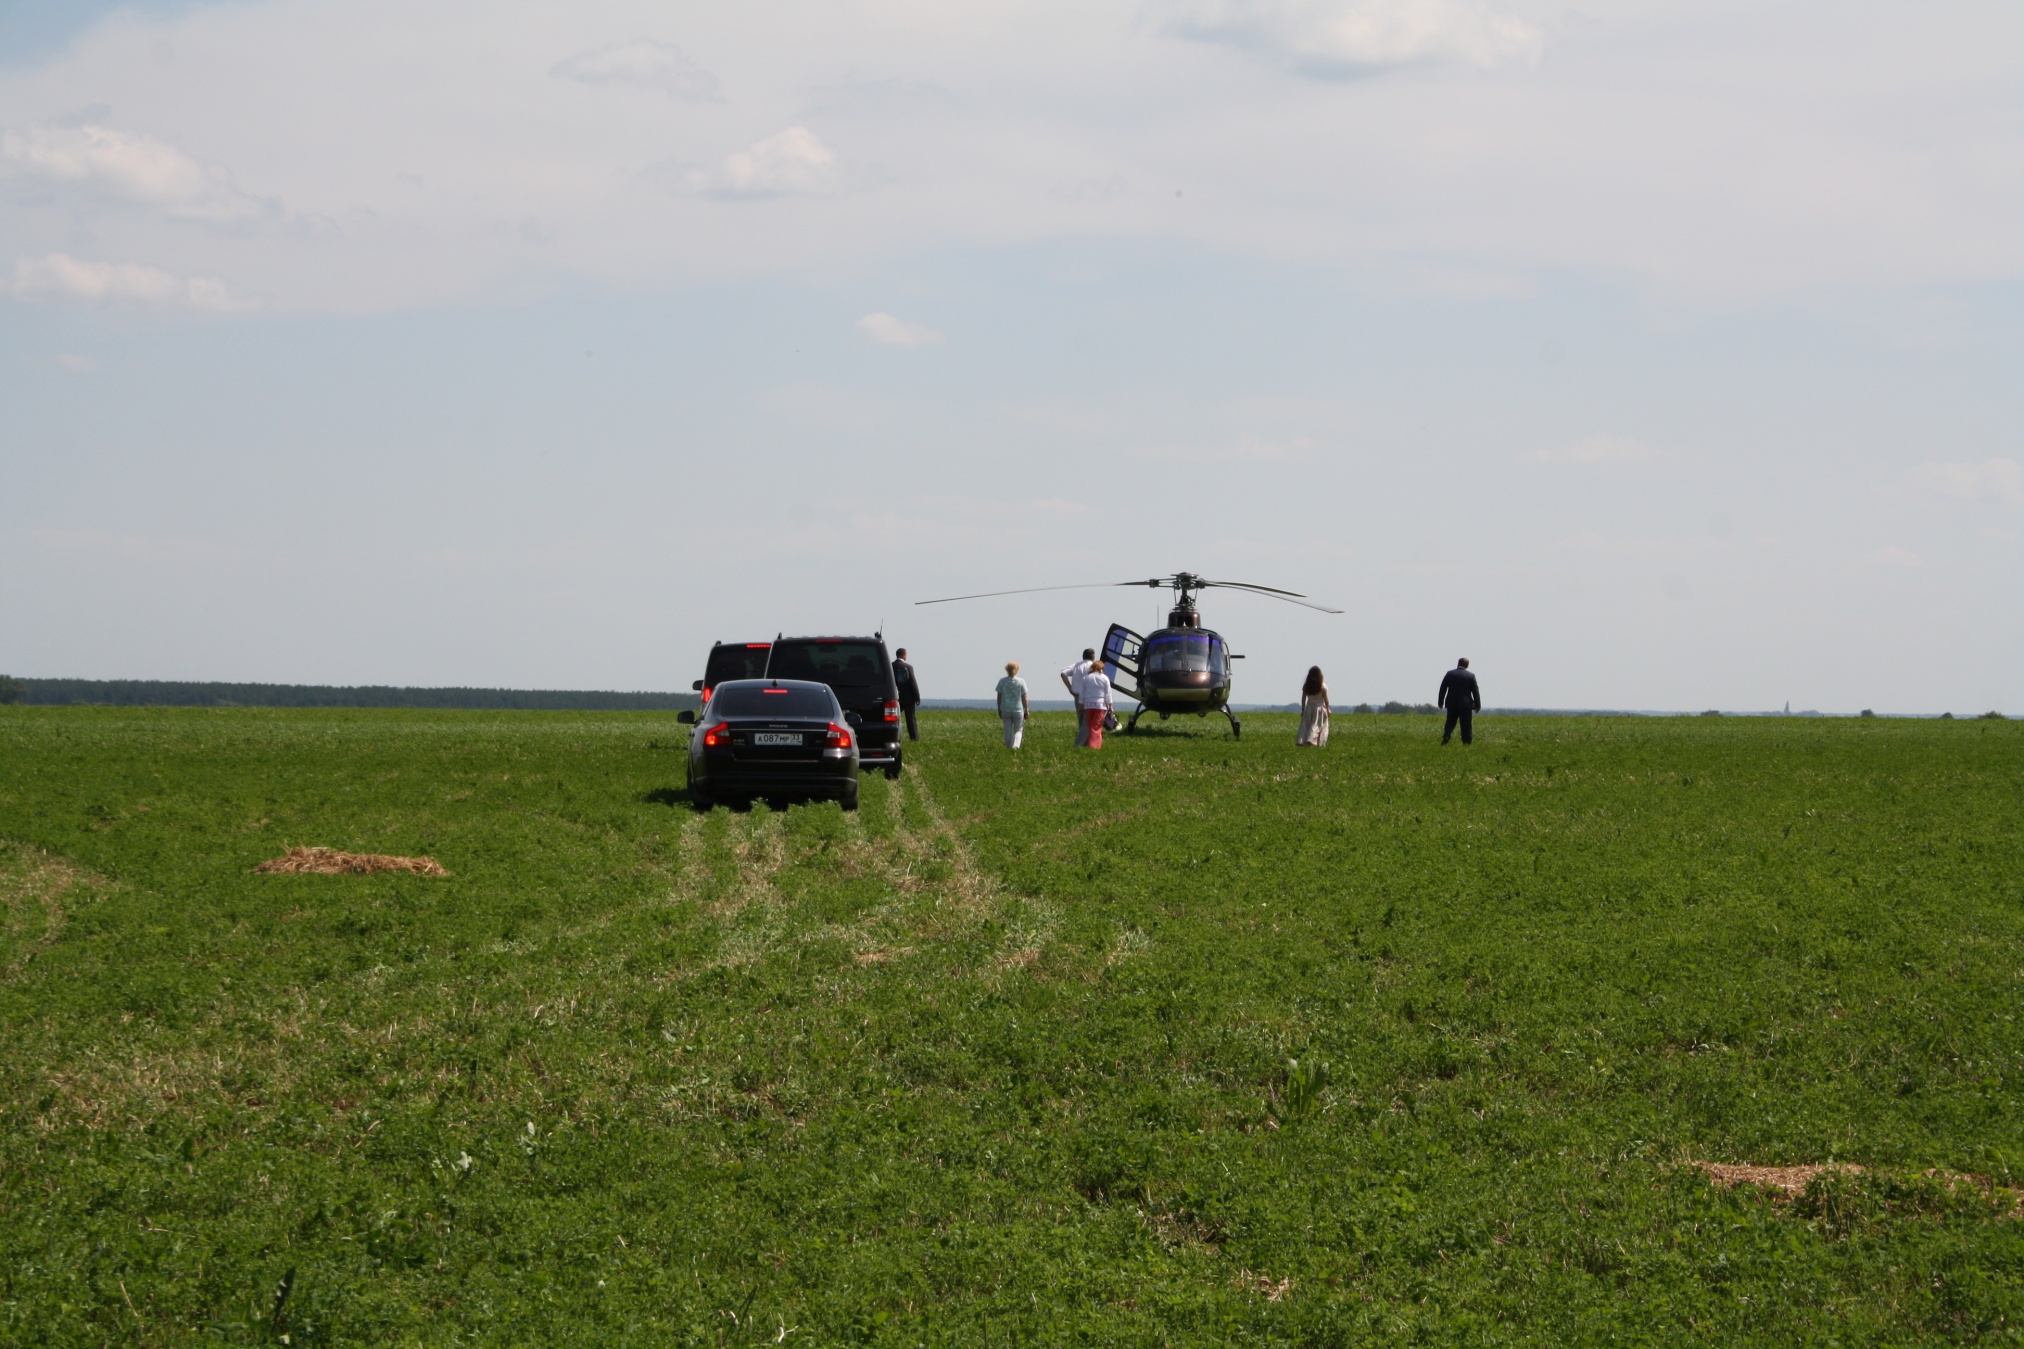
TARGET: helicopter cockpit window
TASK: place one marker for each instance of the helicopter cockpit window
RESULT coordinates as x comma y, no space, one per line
1185,655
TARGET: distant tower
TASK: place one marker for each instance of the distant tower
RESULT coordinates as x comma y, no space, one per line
1788,707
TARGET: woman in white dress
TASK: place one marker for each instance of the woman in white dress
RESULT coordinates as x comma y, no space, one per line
1313,709
1013,706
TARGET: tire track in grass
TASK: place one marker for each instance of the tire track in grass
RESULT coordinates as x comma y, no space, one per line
967,895
731,869
755,912
935,888
938,890
923,878
880,932
33,885
693,880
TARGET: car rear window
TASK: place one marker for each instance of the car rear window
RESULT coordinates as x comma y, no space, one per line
844,665
740,661
797,704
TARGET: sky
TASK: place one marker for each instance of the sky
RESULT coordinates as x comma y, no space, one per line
1653,355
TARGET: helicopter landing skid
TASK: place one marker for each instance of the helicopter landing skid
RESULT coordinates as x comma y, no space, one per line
1236,726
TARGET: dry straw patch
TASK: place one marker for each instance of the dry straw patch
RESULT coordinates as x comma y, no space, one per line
1182,1229
331,862
1272,1290
1788,1181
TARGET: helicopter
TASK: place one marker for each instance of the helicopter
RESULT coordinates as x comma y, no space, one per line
1183,667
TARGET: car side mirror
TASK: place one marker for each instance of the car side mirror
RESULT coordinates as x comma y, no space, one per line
853,718
686,717
697,686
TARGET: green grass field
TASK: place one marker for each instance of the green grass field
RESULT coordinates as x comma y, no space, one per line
1004,1058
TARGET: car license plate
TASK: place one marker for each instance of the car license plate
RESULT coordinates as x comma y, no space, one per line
776,737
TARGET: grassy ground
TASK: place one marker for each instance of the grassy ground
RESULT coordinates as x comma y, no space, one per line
1004,1058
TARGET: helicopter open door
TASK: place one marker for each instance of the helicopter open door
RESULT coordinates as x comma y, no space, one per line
1121,648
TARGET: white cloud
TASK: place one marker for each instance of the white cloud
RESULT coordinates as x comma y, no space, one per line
1897,557
62,277
1358,37
889,331
1997,479
794,162
98,164
642,64
78,365
1702,150
1595,450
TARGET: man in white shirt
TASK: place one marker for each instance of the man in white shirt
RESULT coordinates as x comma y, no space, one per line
1071,679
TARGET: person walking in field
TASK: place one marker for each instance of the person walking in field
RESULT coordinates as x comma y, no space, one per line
1071,679
1095,703
1462,698
1313,709
909,690
1013,707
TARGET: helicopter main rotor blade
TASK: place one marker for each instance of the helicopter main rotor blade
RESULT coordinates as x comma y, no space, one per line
1034,590
1268,592
1249,585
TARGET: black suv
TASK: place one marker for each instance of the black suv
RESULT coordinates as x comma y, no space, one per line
857,669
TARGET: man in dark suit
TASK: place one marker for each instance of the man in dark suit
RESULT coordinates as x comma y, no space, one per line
1462,698
910,691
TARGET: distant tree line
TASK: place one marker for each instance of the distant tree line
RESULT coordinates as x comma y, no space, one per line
1366,708
176,693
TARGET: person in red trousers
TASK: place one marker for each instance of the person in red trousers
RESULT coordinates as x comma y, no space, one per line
1095,700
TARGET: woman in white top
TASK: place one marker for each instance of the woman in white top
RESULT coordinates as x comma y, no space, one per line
1013,707
1094,695
1313,709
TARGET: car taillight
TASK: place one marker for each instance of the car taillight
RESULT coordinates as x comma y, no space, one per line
716,737
892,709
839,737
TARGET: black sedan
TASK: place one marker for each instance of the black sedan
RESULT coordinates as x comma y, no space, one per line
776,738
